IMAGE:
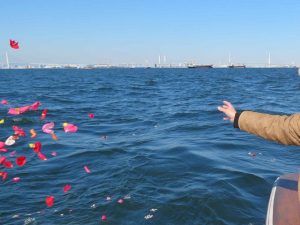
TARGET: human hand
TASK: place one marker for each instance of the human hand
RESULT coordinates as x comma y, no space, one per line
228,110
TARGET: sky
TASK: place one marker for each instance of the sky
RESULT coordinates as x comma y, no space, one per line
138,31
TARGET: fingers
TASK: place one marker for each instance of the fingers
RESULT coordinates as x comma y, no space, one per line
228,104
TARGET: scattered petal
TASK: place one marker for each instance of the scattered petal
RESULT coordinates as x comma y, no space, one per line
91,115
47,128
21,161
103,218
54,137
149,216
49,201
4,175
33,133
153,210
87,169
127,197
53,154
253,154
44,114
93,206
2,121
108,198
67,188
18,131
3,150
4,102
70,128
120,201
16,179
12,154
10,141
35,106
41,156
8,164
2,159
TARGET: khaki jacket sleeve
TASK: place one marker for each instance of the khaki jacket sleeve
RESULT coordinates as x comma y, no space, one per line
282,129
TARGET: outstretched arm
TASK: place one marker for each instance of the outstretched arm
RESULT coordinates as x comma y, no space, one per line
283,129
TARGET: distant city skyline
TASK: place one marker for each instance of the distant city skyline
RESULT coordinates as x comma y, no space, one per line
139,31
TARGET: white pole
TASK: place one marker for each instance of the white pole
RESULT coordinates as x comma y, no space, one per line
7,62
269,59
159,60
229,59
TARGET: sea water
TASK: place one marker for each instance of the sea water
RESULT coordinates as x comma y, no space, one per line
156,141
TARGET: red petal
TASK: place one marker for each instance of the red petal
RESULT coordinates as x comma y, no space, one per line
3,175
44,114
37,147
41,156
8,164
67,188
2,159
50,201
21,161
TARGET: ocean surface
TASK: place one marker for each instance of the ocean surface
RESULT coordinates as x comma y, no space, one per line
156,141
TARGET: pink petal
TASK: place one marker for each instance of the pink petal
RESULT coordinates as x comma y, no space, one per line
2,144
120,201
53,154
91,115
16,179
4,102
35,106
47,128
67,188
87,169
103,218
70,128
3,150
2,159
12,154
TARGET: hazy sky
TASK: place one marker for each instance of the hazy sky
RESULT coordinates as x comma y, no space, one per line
133,31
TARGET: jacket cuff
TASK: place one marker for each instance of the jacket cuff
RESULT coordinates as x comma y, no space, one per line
236,119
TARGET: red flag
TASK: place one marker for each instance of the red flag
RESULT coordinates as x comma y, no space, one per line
14,44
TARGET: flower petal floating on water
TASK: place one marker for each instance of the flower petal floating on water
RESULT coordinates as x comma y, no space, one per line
18,131
54,137
36,146
47,128
108,198
87,169
33,133
12,154
4,175
67,188
2,144
53,154
8,164
4,102
120,201
41,156
70,128
91,115
2,159
49,201
21,161
3,150
103,217
35,106
2,121
44,114
253,154
16,179
10,141
149,216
